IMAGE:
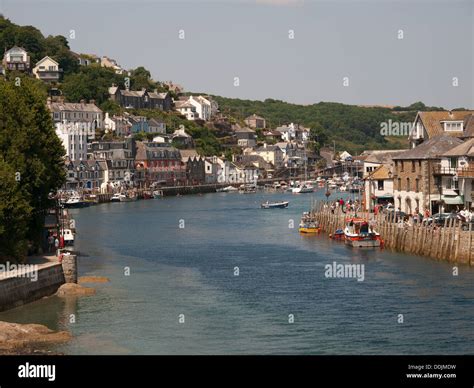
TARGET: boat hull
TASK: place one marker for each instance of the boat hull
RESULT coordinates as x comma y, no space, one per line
309,230
282,205
362,242
76,205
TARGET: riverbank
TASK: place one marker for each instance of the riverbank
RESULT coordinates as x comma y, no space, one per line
447,243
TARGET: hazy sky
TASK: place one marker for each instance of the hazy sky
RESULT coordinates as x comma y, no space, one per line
250,40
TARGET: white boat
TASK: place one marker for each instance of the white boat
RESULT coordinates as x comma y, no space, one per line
68,237
227,189
116,197
75,202
358,233
128,197
305,188
274,205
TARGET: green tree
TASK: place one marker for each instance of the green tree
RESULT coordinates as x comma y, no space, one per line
29,147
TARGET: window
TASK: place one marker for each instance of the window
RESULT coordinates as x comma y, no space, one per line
380,184
453,162
413,166
401,166
408,184
399,184
417,185
456,126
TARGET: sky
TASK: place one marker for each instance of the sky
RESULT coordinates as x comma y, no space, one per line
342,51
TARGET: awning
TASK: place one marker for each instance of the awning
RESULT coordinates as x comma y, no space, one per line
453,200
385,196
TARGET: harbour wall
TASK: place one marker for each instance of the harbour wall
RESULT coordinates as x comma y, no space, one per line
16,291
448,243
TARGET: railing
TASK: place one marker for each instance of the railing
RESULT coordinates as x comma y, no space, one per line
438,170
466,172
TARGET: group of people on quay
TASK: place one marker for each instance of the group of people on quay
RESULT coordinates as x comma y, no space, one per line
403,219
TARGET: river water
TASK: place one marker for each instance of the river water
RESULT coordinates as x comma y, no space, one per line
215,274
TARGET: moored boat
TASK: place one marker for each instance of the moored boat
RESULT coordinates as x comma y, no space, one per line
309,227
75,202
274,205
128,197
309,224
116,197
358,233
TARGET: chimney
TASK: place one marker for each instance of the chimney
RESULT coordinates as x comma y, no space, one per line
92,102
82,101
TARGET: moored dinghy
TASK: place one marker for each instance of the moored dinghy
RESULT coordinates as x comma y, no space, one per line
274,205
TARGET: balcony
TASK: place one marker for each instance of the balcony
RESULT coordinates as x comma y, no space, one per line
467,172
438,170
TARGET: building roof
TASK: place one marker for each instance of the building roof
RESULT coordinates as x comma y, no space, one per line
244,130
254,117
187,154
464,149
430,149
155,122
381,156
432,121
380,173
74,106
44,59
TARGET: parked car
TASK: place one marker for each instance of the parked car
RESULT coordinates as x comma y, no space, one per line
439,218
399,215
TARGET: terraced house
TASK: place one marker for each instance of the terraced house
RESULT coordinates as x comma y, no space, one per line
450,123
158,163
417,176
457,171
140,99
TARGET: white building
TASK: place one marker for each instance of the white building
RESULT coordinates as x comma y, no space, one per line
187,110
118,125
74,139
203,107
47,70
68,112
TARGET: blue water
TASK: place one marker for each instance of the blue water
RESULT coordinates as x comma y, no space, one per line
191,270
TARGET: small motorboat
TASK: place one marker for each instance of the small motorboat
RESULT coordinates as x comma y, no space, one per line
358,233
228,189
68,237
337,235
116,197
305,188
129,197
75,202
274,205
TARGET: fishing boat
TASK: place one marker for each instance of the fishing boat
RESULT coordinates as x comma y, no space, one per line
358,233
274,205
309,224
75,202
309,227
